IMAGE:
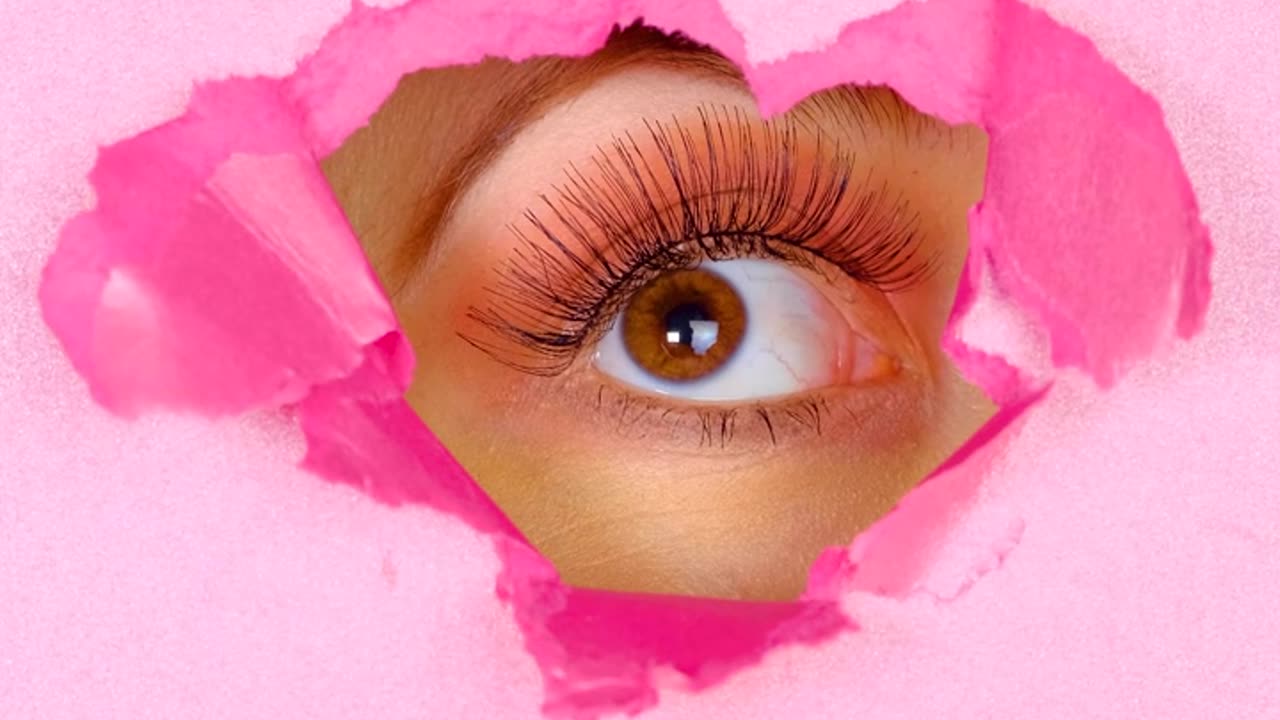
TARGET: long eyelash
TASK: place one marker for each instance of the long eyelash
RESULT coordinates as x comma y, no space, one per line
598,237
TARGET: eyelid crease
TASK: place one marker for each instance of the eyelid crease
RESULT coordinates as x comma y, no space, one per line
728,187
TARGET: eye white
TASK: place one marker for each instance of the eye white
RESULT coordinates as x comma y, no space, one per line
795,340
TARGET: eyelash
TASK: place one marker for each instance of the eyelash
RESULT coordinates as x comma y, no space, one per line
717,426
736,194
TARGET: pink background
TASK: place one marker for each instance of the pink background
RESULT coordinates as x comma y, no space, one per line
173,567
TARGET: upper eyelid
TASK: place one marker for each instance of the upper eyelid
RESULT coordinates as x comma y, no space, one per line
852,108
683,165
553,270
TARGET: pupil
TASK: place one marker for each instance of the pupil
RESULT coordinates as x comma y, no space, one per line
679,323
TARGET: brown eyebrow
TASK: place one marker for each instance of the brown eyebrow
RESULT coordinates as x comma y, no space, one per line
425,153
399,177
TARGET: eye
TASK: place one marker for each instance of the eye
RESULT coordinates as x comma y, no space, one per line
730,330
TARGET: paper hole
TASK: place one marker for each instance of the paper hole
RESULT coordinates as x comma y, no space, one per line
181,215
499,208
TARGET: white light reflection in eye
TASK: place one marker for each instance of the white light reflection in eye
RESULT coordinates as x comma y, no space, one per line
704,335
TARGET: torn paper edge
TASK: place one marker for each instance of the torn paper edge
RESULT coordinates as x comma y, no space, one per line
113,284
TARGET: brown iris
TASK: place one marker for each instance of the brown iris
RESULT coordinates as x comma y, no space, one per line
684,324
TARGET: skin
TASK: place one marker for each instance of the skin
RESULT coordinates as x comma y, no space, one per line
643,503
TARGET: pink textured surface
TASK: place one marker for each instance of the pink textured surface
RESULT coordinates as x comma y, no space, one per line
172,567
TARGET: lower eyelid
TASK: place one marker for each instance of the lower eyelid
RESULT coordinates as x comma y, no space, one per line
877,417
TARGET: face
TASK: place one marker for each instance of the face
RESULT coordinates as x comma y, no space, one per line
683,347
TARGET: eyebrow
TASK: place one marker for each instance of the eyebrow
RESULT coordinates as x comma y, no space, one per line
450,144
453,142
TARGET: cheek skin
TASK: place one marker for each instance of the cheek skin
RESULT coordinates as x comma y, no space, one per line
616,521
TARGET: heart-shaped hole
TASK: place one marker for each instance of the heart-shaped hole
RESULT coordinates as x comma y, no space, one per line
684,348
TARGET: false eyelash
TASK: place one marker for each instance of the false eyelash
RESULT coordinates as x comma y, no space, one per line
726,188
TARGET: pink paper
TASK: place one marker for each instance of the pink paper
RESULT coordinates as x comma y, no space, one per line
215,275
